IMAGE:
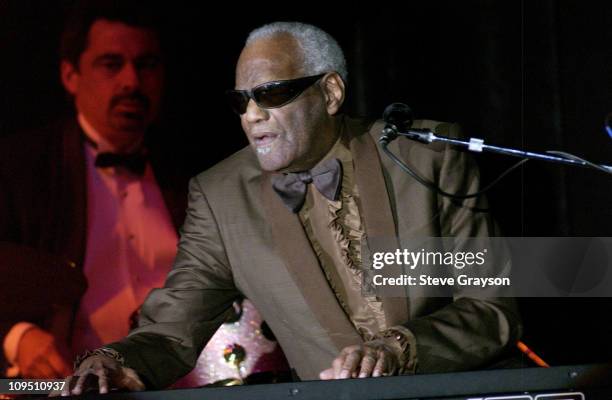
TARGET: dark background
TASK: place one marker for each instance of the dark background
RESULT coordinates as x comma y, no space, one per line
529,74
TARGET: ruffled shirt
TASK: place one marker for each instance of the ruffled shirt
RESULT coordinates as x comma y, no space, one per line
336,233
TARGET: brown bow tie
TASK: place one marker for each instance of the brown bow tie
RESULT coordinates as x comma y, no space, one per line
292,187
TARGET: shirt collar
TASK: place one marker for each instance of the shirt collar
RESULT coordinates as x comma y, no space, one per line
102,145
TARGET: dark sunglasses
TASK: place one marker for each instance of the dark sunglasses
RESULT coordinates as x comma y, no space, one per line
270,94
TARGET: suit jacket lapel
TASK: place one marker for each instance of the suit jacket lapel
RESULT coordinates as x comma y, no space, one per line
73,195
375,206
301,262
69,234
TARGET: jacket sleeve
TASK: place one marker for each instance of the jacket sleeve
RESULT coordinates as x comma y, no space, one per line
471,331
178,320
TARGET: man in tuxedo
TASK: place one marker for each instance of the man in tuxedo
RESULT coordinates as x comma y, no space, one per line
85,202
286,222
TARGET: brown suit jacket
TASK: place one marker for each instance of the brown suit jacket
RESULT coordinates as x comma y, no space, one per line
239,238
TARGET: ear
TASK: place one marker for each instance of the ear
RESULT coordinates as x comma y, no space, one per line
69,76
333,89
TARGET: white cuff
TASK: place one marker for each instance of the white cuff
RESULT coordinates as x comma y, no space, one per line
11,345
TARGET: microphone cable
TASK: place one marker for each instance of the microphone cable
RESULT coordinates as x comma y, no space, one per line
433,187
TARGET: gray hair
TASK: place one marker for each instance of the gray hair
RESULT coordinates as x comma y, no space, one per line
321,51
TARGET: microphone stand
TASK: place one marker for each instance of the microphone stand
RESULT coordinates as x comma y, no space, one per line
390,132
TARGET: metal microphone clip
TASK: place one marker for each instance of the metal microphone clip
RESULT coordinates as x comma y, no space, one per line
388,134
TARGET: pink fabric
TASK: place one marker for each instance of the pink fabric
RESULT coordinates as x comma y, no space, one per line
131,244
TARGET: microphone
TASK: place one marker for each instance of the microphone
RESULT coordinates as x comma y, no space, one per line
398,117
608,124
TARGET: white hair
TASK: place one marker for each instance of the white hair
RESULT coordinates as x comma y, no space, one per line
321,51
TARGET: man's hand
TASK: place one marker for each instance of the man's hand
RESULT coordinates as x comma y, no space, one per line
40,356
108,372
373,358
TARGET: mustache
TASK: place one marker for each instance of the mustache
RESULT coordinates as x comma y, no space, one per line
133,97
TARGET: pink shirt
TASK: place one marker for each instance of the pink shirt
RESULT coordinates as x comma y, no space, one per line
131,244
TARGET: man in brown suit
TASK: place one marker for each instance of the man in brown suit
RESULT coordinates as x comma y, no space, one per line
283,222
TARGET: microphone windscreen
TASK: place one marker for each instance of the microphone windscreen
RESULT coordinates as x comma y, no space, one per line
398,114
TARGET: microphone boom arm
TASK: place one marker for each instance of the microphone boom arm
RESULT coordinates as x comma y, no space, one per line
478,146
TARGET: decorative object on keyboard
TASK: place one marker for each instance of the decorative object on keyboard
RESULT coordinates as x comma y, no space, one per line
234,354
238,353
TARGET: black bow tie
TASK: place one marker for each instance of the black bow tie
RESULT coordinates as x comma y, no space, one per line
291,187
134,162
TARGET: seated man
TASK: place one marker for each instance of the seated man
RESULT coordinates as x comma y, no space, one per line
283,222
